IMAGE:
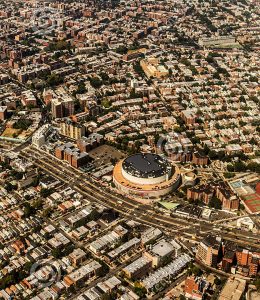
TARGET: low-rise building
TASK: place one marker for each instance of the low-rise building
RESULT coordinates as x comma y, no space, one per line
233,289
195,287
138,268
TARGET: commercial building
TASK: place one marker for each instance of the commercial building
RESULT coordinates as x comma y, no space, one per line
233,289
217,41
152,68
160,253
245,223
146,175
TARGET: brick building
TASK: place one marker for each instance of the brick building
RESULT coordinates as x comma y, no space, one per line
195,287
199,159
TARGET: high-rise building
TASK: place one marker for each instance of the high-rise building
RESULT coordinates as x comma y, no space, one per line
209,250
72,129
61,108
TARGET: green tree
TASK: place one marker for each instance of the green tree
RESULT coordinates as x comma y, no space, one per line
254,167
140,290
81,88
46,192
230,168
257,283
217,281
215,203
56,253
239,166
54,80
96,82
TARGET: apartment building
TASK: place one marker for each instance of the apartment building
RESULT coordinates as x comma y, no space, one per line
61,108
72,129
208,250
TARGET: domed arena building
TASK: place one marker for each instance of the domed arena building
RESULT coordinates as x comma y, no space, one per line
146,175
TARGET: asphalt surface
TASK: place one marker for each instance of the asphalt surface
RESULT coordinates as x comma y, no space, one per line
131,209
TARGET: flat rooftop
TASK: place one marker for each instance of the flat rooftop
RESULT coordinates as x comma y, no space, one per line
146,165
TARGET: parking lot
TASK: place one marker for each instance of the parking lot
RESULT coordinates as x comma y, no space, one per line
104,154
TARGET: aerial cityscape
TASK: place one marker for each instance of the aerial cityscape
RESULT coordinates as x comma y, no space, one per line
129,149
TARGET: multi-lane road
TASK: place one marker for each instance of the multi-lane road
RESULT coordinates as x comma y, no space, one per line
95,192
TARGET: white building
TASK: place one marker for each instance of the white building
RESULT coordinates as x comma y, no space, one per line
245,223
39,137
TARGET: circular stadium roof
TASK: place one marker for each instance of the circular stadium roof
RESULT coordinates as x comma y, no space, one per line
146,165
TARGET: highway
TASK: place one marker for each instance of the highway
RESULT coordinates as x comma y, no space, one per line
129,208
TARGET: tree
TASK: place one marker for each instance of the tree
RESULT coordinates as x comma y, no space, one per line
138,69
53,80
45,192
17,175
56,253
58,46
254,167
81,88
257,283
104,76
28,209
239,166
140,290
196,271
212,154
37,203
9,187
228,175
230,168
35,181
215,203
217,281
27,197
22,124
96,82
47,212
104,269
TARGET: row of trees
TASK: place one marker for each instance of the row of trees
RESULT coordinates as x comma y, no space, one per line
22,124
240,166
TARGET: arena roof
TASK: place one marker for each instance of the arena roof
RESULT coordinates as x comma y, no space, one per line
146,165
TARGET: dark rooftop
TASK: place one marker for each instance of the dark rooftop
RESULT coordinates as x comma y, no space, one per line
146,165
